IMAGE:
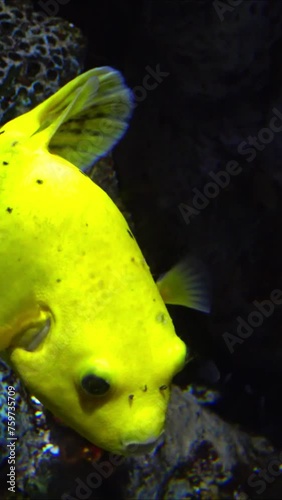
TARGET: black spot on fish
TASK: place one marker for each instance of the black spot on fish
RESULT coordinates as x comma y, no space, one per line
145,388
5,163
160,318
80,119
14,143
75,130
9,210
2,132
94,133
130,397
132,259
130,234
39,181
86,224
58,280
163,387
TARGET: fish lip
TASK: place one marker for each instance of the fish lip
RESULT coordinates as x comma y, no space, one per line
142,448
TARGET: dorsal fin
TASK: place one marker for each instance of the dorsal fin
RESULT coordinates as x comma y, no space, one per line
83,120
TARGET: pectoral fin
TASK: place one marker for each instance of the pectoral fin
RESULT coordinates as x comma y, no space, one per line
187,285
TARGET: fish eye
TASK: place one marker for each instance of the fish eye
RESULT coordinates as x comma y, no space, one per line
94,385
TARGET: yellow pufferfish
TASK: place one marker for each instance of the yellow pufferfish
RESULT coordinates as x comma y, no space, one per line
82,320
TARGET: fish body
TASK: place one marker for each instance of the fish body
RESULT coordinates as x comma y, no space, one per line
81,319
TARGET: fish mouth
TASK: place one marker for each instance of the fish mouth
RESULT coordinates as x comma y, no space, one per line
141,448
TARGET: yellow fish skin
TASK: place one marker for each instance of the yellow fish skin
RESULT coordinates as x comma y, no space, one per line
81,318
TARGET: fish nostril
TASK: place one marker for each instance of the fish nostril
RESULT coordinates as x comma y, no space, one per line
142,448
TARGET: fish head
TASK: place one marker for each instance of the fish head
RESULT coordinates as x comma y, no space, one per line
108,379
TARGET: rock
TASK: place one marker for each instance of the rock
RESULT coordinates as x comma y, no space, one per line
38,55
202,456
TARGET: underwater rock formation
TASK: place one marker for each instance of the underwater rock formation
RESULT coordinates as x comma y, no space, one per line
202,457
38,54
33,447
